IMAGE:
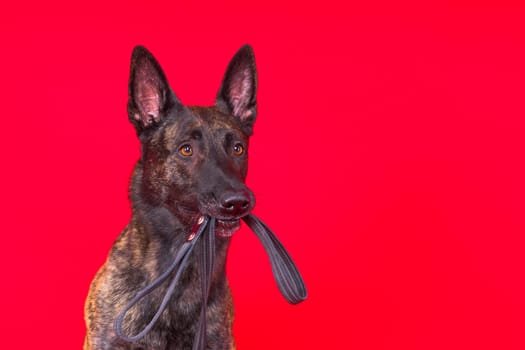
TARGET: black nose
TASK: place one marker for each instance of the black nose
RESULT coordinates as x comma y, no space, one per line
235,203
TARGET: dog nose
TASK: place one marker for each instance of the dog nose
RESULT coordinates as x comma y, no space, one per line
235,202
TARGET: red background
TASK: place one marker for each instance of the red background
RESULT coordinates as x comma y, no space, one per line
388,156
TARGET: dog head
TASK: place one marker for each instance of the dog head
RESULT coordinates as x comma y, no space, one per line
194,159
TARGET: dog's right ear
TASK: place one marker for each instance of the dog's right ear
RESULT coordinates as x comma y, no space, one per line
150,96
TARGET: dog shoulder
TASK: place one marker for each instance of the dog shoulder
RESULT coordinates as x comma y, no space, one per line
101,301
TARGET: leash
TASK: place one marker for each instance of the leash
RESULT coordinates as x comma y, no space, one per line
181,259
286,274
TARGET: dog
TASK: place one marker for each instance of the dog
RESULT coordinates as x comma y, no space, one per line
193,162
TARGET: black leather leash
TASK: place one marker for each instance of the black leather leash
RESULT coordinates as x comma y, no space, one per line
285,272
181,259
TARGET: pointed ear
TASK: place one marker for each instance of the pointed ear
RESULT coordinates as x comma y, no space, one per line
150,95
237,95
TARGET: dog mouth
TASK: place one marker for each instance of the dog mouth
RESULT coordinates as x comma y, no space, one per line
224,227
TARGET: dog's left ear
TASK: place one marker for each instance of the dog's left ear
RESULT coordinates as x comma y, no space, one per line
237,95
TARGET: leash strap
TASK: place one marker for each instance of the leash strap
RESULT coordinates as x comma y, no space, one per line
207,260
285,272
182,257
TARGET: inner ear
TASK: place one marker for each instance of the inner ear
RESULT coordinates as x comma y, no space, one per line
241,93
147,95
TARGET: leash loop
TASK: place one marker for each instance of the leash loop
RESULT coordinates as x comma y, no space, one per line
285,271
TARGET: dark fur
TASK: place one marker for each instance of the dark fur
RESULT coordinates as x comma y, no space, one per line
169,191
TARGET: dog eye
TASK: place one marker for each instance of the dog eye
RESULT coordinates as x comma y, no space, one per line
186,150
238,149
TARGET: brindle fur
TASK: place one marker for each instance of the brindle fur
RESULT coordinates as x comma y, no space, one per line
169,191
